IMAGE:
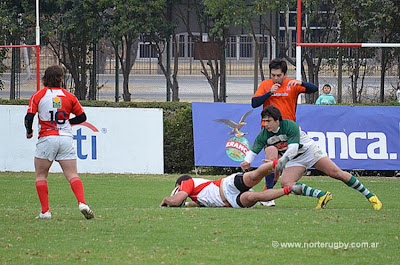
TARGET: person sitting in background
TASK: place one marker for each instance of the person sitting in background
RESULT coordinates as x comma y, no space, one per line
398,92
326,98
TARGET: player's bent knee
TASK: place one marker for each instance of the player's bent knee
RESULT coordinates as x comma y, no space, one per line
239,182
271,152
245,201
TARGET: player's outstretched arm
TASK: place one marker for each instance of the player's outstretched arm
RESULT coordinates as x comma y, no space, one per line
176,200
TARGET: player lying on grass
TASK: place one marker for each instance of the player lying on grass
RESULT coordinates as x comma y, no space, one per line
232,191
298,152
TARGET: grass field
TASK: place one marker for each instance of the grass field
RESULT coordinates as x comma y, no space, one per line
131,228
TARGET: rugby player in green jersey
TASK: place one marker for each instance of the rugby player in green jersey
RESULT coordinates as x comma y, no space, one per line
298,152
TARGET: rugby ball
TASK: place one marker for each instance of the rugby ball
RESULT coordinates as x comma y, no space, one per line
175,190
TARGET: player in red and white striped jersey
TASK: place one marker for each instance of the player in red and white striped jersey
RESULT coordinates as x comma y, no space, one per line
232,191
54,106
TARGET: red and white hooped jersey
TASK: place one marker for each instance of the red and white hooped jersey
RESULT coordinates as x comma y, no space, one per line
54,106
203,191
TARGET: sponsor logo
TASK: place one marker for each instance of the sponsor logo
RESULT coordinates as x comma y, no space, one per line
86,141
57,103
280,95
237,146
282,146
356,145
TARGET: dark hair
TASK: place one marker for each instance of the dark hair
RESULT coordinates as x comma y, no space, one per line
276,64
328,85
53,76
182,178
271,111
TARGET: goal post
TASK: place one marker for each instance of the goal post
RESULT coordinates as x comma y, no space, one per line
36,46
299,44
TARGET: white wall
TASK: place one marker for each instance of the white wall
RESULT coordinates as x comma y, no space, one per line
120,140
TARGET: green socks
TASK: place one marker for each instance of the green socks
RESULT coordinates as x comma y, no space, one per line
307,191
352,183
355,184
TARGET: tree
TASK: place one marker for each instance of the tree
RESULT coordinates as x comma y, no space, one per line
355,27
15,28
159,36
323,14
124,22
319,13
224,15
259,14
385,15
214,19
185,13
68,29
196,10
3,36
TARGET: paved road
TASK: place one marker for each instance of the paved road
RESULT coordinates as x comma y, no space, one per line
196,88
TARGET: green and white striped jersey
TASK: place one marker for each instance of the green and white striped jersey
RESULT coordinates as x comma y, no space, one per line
289,132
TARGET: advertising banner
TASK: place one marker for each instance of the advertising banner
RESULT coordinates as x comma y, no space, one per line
354,137
112,140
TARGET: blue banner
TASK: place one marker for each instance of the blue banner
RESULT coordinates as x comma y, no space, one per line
354,137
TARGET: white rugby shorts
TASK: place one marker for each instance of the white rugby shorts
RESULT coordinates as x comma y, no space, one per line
230,191
309,158
55,147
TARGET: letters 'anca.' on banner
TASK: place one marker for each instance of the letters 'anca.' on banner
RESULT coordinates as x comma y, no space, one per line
354,137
